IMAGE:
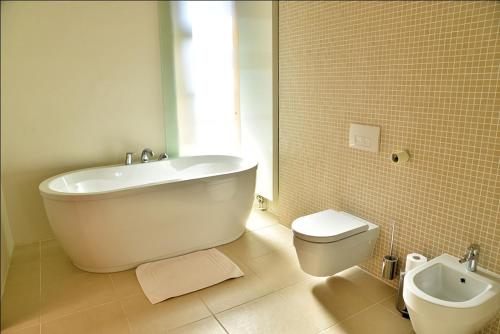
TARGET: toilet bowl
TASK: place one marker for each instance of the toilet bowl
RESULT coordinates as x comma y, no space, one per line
330,241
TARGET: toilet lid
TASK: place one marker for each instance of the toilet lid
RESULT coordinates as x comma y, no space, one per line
328,226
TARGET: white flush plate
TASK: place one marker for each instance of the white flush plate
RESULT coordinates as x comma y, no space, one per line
364,137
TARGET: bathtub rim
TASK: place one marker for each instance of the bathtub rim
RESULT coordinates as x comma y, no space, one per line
47,193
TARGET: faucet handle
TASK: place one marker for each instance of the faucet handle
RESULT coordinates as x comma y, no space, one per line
163,156
471,257
473,249
128,158
472,253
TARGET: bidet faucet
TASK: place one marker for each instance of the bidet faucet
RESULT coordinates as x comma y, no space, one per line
471,257
147,154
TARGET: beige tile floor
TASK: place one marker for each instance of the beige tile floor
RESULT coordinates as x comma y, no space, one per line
45,293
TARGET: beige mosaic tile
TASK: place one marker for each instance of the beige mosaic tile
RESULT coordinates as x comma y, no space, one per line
427,73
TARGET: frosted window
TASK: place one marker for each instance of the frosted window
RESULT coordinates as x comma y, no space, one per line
208,121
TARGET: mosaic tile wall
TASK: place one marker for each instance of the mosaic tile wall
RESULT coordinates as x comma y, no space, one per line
427,73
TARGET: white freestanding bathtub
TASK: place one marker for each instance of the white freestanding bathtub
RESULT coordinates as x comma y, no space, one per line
115,218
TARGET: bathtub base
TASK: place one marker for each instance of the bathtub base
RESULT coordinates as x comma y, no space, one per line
135,265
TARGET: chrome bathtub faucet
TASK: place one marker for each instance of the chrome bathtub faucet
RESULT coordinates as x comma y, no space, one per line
128,158
147,154
471,257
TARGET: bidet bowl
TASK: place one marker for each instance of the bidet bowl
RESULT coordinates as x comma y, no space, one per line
444,298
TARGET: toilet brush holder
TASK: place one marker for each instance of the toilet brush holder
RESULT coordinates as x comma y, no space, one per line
389,267
390,263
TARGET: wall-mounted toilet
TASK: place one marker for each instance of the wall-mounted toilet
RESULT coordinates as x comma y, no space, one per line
330,241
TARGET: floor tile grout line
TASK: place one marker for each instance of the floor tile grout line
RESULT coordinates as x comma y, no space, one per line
94,306
262,227
274,217
357,313
275,243
23,327
267,227
187,324
248,301
306,278
122,308
86,308
262,296
245,261
253,258
121,300
79,311
213,315
278,251
220,324
113,285
294,284
394,310
112,281
129,324
40,284
376,277
276,291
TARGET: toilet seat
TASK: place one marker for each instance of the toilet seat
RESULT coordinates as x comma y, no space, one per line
328,226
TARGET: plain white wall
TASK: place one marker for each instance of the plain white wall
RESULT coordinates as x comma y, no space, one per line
7,241
80,86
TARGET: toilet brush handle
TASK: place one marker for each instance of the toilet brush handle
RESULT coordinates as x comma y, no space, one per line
392,238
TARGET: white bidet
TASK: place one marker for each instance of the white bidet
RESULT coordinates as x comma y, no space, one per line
442,297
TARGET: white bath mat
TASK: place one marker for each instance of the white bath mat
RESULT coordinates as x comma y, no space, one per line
179,275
